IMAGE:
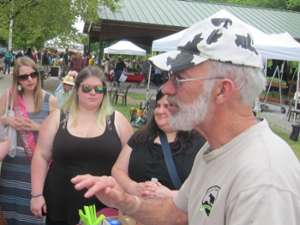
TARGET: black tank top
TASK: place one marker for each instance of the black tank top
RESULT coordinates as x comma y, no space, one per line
73,156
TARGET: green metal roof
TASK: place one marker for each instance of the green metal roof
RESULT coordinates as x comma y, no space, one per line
184,13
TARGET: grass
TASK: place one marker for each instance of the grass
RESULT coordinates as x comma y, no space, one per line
295,145
141,97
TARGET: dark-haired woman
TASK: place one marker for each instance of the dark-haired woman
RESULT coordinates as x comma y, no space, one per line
31,106
141,169
86,136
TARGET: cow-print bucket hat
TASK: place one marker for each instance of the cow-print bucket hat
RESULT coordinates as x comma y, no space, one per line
217,38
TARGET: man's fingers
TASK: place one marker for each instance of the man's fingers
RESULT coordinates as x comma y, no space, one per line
93,190
83,181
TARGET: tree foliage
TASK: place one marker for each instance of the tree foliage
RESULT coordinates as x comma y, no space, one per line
276,4
36,21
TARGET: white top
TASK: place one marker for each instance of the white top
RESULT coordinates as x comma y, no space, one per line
254,179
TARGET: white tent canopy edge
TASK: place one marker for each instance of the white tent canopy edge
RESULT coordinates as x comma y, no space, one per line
124,47
271,46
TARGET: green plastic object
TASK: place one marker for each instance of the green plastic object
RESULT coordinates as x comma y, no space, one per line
88,216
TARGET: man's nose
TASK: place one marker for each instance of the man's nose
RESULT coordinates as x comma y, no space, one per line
169,88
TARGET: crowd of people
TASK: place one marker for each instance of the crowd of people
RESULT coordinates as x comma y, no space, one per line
203,157
66,60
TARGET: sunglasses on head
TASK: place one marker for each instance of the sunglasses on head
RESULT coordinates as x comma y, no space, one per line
23,77
99,89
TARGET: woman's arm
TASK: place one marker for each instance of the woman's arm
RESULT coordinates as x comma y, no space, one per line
52,103
123,128
4,148
120,171
40,161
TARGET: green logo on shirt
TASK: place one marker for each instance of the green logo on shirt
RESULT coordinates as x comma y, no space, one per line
209,199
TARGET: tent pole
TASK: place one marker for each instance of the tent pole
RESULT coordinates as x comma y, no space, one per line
297,91
148,83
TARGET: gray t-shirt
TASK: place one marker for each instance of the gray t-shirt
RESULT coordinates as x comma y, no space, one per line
254,179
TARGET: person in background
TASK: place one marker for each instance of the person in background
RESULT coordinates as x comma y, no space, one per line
245,173
65,61
29,53
31,105
46,62
119,69
86,136
76,62
142,159
91,58
8,59
63,90
2,64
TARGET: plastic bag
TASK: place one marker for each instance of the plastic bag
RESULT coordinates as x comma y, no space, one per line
123,77
11,133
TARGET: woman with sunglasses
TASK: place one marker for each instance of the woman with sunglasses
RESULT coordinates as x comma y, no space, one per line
85,137
31,105
141,169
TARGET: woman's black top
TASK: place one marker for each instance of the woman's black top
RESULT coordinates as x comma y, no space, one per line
147,160
74,156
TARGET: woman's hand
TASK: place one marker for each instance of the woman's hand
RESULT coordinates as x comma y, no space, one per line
21,123
146,189
38,206
153,189
30,125
164,192
12,121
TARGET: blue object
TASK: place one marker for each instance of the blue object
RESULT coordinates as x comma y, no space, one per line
114,222
169,160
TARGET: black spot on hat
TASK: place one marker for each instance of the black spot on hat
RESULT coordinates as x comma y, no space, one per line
191,46
214,36
219,21
245,42
181,61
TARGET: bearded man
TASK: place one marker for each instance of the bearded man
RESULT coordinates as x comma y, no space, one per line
244,174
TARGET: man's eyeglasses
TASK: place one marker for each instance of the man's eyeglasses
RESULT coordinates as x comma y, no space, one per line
99,89
177,81
23,77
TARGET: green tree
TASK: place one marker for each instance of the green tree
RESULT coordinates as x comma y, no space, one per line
36,21
276,4
294,4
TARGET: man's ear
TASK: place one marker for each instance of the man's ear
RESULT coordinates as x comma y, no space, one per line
225,89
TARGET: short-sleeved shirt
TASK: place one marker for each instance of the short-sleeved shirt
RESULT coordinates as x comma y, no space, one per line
253,179
147,161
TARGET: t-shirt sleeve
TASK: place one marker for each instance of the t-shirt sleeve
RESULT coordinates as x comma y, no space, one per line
181,198
264,205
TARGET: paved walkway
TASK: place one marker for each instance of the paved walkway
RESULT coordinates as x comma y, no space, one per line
4,83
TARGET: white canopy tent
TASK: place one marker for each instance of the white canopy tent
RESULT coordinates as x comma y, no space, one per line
271,46
124,48
60,45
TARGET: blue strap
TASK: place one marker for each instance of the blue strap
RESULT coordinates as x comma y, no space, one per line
169,160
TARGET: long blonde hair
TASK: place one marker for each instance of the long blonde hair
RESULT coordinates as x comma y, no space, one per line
37,93
71,105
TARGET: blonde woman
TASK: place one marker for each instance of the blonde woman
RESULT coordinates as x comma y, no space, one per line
31,106
85,137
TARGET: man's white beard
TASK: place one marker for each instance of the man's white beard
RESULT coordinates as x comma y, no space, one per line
189,115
